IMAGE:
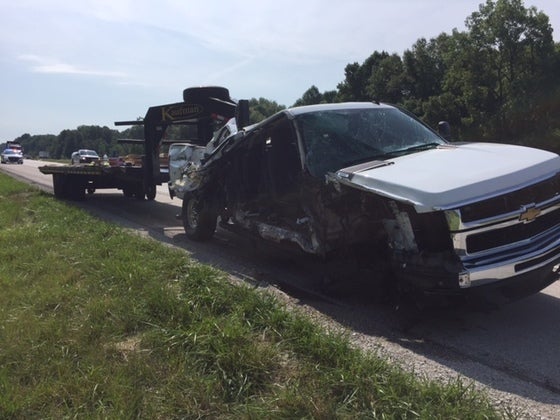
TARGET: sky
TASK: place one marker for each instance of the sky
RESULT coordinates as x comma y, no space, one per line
93,62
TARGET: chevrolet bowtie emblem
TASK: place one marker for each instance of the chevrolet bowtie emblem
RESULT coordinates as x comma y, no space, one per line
529,213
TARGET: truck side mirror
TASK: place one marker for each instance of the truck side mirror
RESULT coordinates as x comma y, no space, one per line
444,130
242,113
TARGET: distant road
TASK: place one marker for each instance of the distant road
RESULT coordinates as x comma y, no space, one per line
29,172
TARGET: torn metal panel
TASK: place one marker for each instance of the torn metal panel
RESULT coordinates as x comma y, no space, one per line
184,162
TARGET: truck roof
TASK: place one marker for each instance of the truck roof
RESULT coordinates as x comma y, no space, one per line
335,106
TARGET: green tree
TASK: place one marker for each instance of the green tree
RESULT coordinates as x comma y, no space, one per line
386,81
424,68
261,108
354,86
515,49
68,142
311,96
330,96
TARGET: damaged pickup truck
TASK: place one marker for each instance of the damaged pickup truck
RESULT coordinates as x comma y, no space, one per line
376,193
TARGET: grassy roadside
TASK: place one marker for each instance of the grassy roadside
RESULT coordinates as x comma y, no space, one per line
98,323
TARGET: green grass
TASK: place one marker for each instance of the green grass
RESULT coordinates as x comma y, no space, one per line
98,323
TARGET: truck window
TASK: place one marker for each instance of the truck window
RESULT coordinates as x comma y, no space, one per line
340,138
269,161
282,157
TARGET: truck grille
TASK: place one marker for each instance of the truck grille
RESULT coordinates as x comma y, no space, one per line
513,201
520,226
517,232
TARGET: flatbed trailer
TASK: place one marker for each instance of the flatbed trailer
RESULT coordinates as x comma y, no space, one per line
73,181
202,107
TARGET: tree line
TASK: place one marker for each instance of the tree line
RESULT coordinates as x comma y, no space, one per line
495,81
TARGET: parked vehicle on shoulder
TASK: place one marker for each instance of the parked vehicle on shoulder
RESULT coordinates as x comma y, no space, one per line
11,156
377,194
84,156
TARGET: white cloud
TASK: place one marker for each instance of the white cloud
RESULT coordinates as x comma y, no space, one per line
49,65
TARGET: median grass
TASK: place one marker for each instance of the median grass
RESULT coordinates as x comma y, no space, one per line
96,322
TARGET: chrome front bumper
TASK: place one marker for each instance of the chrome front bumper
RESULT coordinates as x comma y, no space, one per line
509,245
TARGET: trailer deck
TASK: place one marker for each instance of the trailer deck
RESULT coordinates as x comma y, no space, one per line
73,181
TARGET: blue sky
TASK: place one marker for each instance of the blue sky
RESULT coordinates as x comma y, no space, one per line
92,62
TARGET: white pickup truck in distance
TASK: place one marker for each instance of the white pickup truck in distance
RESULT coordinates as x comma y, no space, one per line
379,195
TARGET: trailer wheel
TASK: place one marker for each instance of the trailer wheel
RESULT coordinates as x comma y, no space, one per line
58,185
151,192
139,192
76,190
199,220
195,95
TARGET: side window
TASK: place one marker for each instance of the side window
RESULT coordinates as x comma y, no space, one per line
282,156
269,162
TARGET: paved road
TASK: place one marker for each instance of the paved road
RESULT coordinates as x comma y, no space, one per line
521,340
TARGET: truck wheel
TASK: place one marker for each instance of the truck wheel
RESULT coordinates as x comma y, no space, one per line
195,95
199,220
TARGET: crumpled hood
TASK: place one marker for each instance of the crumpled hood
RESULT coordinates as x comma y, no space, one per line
453,175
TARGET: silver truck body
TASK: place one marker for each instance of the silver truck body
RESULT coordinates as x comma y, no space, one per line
371,187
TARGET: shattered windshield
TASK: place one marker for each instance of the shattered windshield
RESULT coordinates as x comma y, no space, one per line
335,139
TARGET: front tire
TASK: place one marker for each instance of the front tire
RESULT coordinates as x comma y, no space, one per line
199,219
